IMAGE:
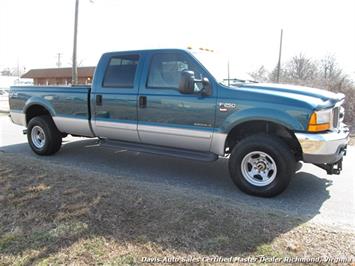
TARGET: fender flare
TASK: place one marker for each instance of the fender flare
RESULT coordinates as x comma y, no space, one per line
41,102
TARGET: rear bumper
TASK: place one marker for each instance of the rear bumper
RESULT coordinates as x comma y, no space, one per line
324,148
18,118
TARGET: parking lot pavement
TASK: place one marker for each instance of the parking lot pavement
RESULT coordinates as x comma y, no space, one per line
312,194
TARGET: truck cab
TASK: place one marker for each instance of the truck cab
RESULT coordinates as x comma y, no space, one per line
136,96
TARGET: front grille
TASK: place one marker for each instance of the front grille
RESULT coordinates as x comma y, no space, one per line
335,117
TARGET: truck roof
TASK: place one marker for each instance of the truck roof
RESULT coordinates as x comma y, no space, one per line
149,50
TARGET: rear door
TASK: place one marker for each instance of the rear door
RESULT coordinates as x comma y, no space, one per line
165,116
114,98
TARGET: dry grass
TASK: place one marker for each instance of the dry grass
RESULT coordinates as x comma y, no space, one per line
56,215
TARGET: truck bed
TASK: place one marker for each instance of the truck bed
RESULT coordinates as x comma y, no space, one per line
69,106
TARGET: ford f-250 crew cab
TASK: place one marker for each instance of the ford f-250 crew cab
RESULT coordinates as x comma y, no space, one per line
180,103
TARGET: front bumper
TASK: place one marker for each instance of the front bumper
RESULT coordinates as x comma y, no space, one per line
324,148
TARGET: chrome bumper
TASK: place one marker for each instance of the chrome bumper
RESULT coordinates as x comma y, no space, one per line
18,118
324,148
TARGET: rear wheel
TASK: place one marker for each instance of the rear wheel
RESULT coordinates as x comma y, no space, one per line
262,165
43,136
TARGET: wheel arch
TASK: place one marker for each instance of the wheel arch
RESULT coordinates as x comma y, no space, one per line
253,127
36,109
36,106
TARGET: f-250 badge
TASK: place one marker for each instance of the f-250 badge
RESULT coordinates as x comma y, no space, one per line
224,107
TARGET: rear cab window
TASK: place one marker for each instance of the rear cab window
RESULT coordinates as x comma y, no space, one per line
121,71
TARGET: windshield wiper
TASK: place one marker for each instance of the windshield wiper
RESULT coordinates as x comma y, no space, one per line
237,80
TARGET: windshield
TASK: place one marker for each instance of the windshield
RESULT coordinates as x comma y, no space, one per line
218,66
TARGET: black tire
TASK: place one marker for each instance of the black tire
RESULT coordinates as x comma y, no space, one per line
250,149
52,137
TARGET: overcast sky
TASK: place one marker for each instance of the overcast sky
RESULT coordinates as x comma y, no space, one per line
32,32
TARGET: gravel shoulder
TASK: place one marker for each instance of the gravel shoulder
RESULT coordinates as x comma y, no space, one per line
53,214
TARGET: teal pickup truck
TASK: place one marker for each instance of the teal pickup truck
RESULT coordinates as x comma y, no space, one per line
184,103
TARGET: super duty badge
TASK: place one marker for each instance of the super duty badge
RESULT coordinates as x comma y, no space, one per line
224,107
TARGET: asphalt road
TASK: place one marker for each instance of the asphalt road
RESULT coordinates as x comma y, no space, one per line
312,194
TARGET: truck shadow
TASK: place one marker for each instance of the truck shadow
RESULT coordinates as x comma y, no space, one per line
171,205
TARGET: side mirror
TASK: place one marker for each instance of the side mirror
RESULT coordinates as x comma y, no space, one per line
187,81
206,87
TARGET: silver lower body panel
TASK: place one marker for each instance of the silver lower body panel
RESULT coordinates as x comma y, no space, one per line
191,139
74,126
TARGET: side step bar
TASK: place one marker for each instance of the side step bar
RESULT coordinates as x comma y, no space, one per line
159,150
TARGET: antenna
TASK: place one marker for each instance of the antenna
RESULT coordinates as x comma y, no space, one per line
228,73
18,67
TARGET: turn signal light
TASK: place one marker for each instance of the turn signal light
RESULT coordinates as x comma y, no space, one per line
313,125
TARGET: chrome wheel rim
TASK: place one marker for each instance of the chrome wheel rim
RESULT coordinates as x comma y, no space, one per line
259,168
38,137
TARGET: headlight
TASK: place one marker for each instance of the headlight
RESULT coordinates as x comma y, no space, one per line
320,120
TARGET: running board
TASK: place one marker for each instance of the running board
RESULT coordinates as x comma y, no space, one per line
159,150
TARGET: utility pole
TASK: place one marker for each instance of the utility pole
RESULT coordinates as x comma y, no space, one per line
74,66
59,63
279,62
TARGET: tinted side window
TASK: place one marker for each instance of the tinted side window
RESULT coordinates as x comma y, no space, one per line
165,70
121,71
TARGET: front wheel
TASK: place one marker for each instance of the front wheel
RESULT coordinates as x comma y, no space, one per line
262,165
43,136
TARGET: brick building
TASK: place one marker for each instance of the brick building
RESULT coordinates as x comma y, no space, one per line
59,76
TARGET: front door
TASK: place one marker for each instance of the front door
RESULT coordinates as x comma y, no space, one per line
165,116
115,100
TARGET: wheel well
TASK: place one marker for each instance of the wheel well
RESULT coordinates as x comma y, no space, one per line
35,110
246,129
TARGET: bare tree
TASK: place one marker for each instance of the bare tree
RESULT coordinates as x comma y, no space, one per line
328,68
261,74
272,77
331,76
301,69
